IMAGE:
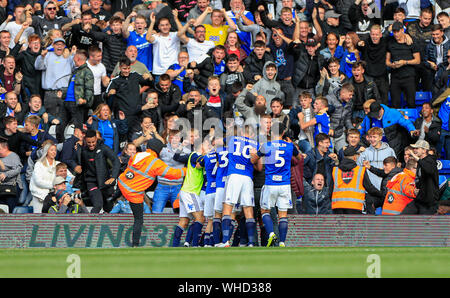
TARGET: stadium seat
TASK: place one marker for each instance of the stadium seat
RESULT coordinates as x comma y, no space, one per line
442,180
4,208
444,166
423,97
23,209
378,211
411,113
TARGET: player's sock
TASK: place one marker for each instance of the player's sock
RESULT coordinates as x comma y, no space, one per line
283,228
250,224
268,223
217,228
189,234
177,236
243,232
226,226
196,231
206,240
232,227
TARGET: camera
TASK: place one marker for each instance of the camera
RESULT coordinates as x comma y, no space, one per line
75,196
191,100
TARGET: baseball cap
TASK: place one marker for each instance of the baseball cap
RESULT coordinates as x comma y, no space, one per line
311,41
421,144
58,180
350,151
397,26
59,39
331,14
81,127
375,108
155,145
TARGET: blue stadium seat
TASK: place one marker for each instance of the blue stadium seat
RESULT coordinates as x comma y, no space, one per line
412,114
444,166
23,209
423,97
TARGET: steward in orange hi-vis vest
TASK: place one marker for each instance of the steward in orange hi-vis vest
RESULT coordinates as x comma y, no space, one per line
400,192
350,185
141,172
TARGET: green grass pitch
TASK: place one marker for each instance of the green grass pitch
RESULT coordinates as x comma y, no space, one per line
226,262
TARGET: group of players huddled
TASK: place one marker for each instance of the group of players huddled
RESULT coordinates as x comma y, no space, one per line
219,187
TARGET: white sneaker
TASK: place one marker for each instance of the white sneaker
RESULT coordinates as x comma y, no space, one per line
186,244
281,244
207,245
250,245
226,244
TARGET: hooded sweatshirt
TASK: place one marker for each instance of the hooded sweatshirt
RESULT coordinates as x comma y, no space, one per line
376,157
268,88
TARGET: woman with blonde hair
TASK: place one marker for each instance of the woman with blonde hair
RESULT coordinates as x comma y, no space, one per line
44,173
351,53
110,129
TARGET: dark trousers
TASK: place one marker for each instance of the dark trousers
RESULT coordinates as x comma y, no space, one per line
346,211
407,86
70,114
289,93
98,99
11,201
382,83
100,198
425,76
138,213
419,208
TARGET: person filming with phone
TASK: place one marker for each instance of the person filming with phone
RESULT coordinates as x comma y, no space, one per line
191,103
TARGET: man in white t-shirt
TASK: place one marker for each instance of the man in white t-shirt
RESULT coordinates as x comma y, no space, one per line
166,46
198,46
15,26
99,70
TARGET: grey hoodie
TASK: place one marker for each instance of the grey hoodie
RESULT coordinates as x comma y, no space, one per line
376,157
268,88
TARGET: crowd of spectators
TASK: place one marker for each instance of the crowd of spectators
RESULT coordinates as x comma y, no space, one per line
84,84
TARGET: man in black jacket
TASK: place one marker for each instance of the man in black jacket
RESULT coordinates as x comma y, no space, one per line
114,45
254,63
428,126
427,181
126,91
365,88
96,178
169,95
68,153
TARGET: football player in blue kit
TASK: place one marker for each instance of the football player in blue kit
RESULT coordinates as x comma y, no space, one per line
239,187
276,192
211,166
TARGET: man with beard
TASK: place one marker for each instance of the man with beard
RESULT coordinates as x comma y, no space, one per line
197,47
251,107
49,20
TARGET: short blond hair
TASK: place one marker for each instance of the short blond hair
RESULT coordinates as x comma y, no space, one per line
375,131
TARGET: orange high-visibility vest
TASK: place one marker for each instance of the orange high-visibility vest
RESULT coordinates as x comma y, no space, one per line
348,190
141,172
400,193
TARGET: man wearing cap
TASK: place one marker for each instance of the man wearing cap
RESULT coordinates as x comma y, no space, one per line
427,181
350,184
141,172
56,73
332,24
59,200
394,125
49,20
402,58
307,65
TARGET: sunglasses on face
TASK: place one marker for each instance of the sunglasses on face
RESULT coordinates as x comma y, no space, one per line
51,8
